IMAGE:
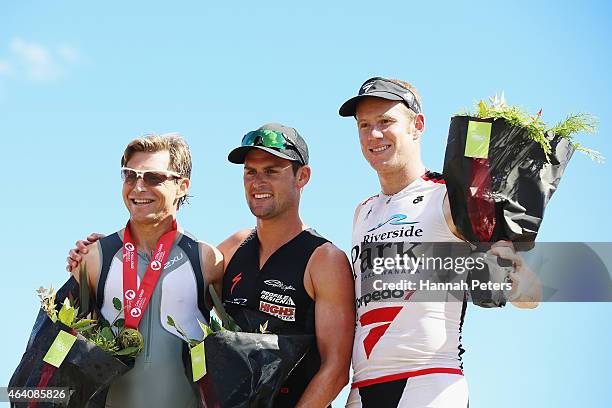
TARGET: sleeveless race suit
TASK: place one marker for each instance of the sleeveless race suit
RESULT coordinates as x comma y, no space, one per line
158,378
396,341
277,290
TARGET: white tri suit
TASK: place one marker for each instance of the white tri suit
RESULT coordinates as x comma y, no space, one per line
406,353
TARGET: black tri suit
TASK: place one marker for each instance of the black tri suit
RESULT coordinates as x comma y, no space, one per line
276,290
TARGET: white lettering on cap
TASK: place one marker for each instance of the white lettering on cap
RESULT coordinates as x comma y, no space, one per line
366,86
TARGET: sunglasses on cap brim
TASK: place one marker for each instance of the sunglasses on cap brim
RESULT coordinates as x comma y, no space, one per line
270,138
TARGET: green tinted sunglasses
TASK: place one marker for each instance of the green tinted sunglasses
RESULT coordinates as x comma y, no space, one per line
269,138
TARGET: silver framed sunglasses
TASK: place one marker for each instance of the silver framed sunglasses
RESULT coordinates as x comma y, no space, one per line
150,177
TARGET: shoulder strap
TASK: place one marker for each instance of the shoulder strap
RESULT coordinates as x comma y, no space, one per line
317,237
108,248
250,243
314,240
192,249
434,176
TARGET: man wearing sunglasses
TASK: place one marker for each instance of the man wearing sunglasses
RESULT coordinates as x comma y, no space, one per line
156,270
286,270
406,352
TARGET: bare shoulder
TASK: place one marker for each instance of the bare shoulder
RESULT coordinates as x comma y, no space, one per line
328,253
229,246
329,266
212,262
208,250
209,253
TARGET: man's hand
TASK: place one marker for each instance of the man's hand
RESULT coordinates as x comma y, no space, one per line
526,289
75,255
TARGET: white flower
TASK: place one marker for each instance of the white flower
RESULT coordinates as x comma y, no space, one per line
498,103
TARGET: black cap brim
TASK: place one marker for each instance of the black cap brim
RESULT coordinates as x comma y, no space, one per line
349,107
238,155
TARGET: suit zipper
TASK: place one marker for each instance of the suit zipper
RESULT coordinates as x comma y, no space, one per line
149,336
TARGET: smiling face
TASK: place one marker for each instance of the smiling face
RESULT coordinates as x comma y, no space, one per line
151,204
389,134
270,186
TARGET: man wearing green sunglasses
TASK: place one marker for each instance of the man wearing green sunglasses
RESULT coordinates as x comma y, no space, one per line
285,269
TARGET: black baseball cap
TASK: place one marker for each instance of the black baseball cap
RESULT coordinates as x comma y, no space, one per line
381,88
274,138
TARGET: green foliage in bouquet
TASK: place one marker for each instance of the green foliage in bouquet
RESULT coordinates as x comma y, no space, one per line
226,323
205,328
213,327
113,337
536,128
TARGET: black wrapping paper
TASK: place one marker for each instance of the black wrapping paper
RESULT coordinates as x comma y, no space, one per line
87,370
247,370
519,185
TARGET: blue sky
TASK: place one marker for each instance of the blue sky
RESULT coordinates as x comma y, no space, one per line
79,80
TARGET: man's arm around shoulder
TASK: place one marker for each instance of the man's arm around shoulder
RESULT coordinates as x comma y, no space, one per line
90,261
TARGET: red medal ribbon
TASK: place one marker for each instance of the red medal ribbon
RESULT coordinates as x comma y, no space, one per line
136,298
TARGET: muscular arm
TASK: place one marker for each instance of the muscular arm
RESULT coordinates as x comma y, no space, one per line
330,279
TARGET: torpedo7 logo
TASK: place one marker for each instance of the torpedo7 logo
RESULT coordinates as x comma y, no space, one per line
396,219
384,315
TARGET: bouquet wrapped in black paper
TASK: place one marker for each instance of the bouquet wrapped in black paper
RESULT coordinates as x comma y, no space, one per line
244,363
502,166
76,350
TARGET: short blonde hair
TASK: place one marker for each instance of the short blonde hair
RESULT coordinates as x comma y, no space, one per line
180,156
414,91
